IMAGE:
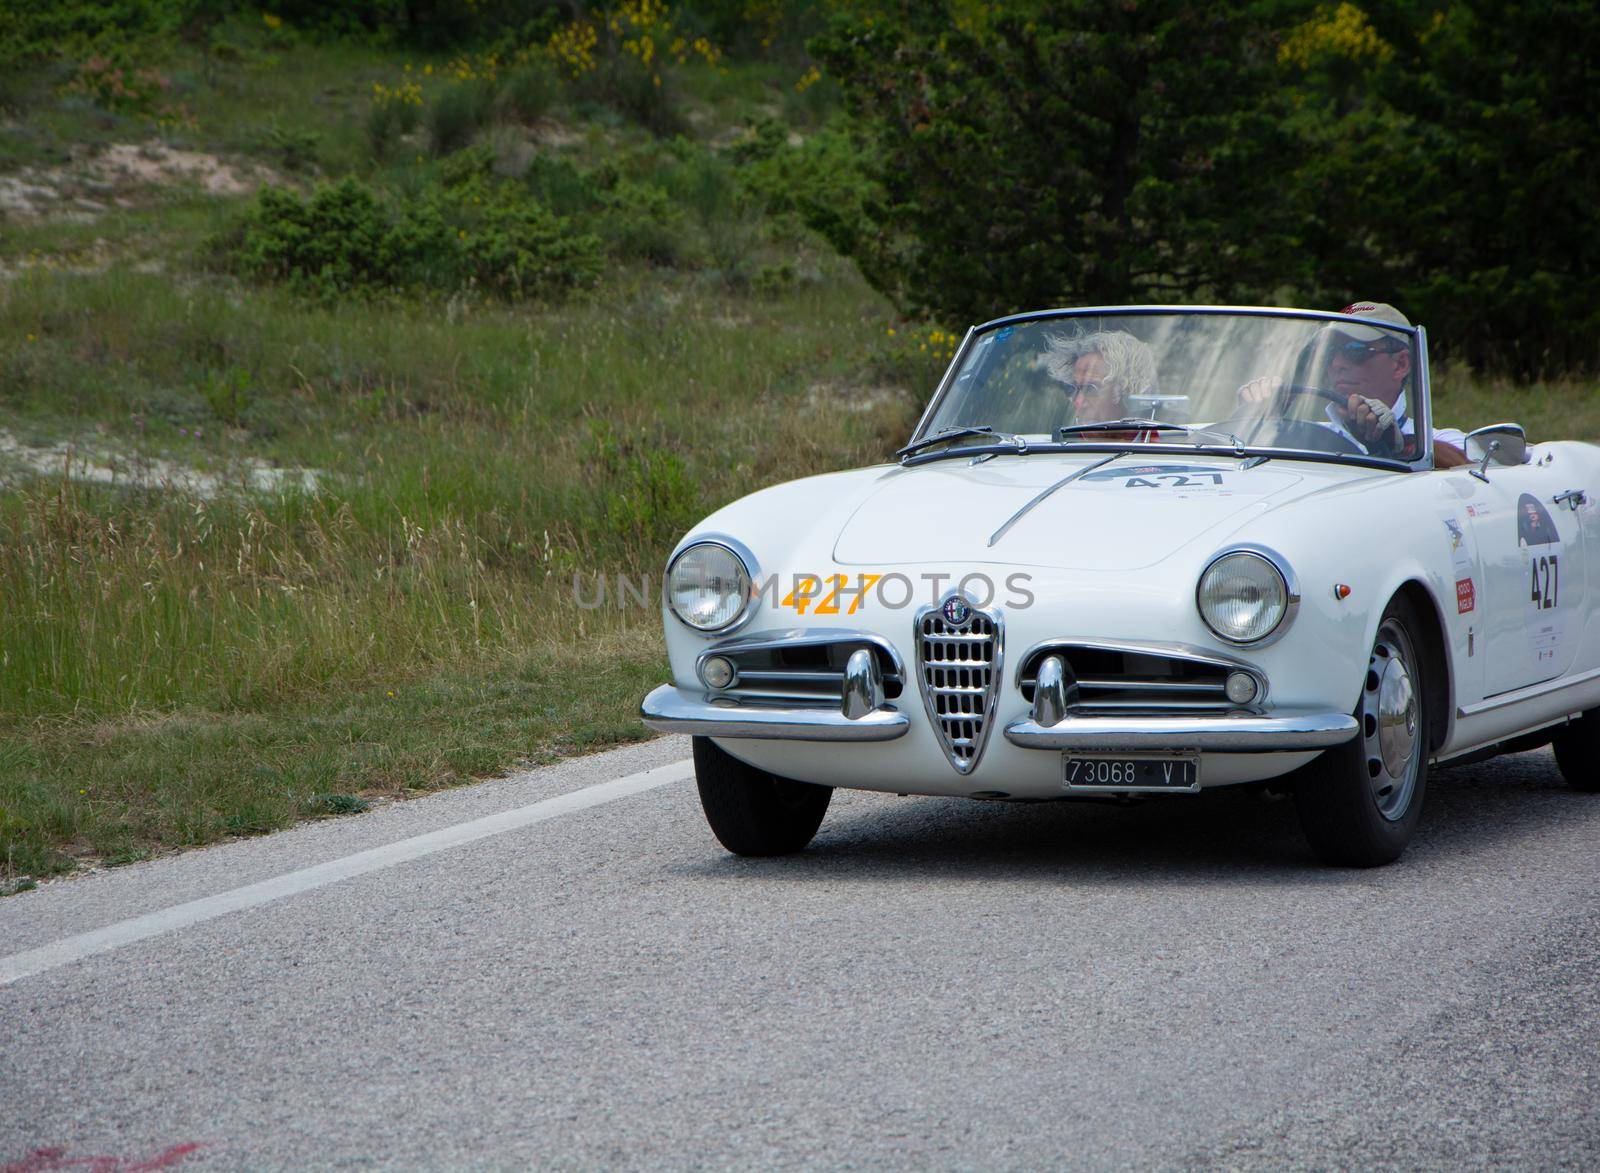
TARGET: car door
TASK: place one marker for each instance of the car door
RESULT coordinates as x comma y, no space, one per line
1532,573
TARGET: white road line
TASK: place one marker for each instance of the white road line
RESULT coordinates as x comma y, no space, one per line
69,949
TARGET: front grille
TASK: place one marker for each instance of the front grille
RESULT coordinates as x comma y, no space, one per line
801,668
959,668
1131,679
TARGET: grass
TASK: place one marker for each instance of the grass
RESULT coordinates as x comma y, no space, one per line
175,669
1547,410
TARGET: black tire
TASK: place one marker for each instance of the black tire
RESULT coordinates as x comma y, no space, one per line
1359,803
1577,749
752,812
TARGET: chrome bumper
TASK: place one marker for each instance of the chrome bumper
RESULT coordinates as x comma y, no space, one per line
669,710
1284,731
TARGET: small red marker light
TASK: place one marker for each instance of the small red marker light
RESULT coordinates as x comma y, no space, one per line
1341,591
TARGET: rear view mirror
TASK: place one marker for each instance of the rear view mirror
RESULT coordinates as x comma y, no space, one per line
1497,444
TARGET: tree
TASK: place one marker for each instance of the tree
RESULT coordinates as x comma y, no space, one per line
1071,151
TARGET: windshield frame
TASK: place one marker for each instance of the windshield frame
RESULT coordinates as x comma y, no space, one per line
1422,392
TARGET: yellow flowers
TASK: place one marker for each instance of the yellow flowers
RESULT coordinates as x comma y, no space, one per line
572,47
1343,33
405,94
271,21
483,68
640,29
932,341
808,79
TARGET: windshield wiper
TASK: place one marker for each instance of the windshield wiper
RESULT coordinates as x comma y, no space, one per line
959,434
1123,425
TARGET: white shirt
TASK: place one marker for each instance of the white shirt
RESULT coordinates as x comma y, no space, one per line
1452,436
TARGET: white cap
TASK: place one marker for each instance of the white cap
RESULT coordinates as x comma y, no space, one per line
1376,311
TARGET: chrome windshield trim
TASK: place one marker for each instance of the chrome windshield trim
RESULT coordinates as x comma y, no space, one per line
1238,311
944,382
1056,448
1424,393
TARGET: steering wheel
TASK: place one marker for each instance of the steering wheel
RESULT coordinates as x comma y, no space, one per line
1283,432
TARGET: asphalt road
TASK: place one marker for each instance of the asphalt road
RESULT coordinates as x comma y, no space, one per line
933,983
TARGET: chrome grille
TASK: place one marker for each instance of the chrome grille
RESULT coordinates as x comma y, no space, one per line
1125,679
801,667
959,669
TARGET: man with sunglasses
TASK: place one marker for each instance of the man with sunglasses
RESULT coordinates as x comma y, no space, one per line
1371,367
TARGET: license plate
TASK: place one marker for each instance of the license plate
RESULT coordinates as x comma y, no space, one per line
1132,771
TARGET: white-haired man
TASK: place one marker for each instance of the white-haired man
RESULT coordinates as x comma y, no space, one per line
1371,366
1100,371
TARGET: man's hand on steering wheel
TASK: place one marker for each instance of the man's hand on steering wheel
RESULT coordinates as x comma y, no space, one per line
1258,396
1372,422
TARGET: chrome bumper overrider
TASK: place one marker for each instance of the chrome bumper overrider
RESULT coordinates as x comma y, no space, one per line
670,710
1285,730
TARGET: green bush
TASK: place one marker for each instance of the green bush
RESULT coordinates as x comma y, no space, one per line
340,240
471,233
457,114
728,216
562,188
388,120
641,222
528,91
520,247
647,493
294,148
825,181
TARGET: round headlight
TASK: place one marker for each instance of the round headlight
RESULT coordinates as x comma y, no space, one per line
1242,597
708,586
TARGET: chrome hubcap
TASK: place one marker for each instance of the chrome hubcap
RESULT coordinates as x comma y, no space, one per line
1389,722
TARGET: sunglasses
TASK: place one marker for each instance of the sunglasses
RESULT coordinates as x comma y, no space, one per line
1360,352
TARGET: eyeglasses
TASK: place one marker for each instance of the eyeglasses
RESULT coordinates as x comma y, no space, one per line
1087,390
1357,353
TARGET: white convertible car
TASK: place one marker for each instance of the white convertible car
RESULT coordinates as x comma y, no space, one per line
1202,588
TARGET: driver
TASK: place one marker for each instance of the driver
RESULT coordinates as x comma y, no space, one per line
1100,371
1371,367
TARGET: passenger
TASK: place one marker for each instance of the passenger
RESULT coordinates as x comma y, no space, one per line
1372,367
1100,371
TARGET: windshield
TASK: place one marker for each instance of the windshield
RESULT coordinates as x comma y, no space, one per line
1279,381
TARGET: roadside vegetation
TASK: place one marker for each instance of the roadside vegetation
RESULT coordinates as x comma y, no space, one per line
336,341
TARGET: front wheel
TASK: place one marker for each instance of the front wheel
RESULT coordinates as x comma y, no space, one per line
1360,802
752,812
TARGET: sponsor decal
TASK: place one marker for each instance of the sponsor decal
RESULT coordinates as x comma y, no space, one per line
1466,599
1149,470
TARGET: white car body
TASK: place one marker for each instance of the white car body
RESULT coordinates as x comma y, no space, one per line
1111,557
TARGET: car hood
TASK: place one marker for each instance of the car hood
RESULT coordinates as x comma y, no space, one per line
1127,514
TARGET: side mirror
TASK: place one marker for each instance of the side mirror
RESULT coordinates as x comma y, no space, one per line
1497,444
